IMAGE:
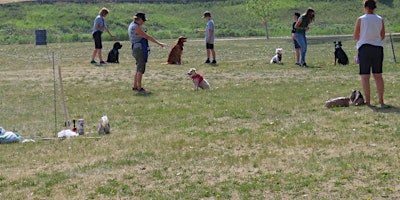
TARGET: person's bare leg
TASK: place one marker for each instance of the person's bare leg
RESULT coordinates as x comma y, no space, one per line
213,54
298,55
208,53
94,54
380,87
135,81
366,88
100,55
138,80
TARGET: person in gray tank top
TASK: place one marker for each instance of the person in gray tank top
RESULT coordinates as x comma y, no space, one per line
140,48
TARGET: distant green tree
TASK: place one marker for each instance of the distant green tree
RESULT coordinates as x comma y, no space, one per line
262,9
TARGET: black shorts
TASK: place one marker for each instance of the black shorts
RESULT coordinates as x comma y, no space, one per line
97,40
296,44
209,46
370,58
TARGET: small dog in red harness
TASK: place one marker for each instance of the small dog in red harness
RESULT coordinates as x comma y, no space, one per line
198,80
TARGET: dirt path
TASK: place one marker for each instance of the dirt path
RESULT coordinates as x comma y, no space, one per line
12,1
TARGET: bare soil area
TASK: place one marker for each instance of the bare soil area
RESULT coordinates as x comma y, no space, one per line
12,1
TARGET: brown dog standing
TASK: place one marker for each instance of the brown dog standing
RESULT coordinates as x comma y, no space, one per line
175,56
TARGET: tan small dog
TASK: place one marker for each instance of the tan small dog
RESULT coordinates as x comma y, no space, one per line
175,56
337,102
198,80
356,99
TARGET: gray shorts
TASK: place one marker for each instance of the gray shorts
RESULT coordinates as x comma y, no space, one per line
140,64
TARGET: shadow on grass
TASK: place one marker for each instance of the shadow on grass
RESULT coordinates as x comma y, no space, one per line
389,109
143,94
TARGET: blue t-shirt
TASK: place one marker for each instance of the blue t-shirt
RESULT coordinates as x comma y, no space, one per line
210,26
99,21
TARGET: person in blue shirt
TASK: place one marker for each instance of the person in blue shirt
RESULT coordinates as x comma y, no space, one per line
99,26
210,36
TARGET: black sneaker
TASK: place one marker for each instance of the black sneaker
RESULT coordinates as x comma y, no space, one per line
304,65
134,89
207,61
102,63
141,90
214,62
93,62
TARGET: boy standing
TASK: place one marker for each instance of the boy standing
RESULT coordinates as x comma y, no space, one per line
296,44
210,36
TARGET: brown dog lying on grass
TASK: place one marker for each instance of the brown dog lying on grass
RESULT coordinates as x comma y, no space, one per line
175,56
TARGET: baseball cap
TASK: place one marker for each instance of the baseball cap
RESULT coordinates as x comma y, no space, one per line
207,14
141,16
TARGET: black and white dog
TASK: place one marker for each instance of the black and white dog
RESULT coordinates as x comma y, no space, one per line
113,55
277,59
340,55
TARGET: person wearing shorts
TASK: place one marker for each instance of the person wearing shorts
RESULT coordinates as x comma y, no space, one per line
210,37
98,28
140,48
296,44
369,33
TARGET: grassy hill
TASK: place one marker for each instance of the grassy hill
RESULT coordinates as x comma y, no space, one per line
69,22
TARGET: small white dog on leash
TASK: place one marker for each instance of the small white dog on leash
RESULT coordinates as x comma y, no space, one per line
277,59
198,80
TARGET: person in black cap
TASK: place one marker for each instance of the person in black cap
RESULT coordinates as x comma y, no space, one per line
210,36
140,48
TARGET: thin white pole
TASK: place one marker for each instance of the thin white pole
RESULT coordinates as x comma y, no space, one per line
66,116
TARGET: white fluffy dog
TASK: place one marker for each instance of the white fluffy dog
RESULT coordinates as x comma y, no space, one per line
104,125
198,80
277,59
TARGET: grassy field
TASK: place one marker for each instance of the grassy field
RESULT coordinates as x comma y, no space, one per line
262,132
72,22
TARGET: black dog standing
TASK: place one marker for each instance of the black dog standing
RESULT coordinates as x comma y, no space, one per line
113,55
340,55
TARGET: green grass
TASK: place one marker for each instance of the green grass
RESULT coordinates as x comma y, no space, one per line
71,22
261,132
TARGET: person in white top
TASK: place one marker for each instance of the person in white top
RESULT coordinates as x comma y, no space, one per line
369,33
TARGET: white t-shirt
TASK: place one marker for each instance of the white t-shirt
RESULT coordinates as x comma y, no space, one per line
370,30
